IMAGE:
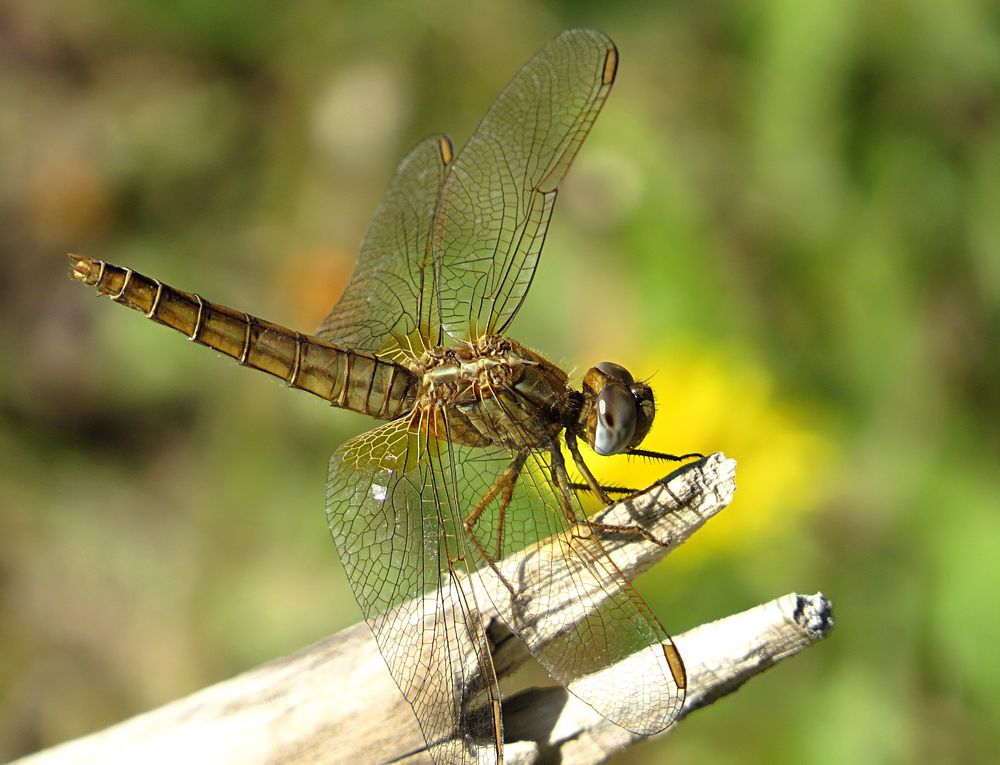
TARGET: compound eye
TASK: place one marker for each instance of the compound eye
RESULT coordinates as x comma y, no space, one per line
616,372
616,418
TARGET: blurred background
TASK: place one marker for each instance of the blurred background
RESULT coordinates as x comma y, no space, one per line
787,217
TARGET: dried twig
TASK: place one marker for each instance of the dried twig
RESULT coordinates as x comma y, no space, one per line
334,702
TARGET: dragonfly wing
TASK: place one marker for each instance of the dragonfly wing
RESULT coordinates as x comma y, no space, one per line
611,623
563,595
388,306
498,195
390,507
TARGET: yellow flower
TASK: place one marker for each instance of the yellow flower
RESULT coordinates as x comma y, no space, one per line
714,401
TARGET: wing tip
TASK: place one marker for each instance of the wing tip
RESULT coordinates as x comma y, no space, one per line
445,149
676,665
610,65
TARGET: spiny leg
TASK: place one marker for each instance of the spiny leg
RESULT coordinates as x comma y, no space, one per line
663,456
619,490
602,493
610,490
595,487
504,488
560,479
633,528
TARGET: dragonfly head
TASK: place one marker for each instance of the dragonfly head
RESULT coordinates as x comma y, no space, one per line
620,410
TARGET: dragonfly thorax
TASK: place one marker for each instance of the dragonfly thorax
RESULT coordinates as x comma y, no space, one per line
467,372
493,390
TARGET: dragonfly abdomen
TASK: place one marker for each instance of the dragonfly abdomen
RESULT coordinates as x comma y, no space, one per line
362,382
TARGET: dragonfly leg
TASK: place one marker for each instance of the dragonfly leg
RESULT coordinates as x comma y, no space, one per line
602,492
622,490
632,528
595,487
560,478
663,456
503,488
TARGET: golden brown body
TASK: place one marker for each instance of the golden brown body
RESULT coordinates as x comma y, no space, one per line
348,379
492,391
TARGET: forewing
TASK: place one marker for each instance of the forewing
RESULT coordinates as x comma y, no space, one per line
498,195
388,306
619,627
564,596
390,506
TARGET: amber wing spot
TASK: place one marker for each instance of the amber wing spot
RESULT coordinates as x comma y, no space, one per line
610,66
676,665
447,152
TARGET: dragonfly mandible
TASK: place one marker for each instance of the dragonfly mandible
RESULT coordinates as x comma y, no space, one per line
469,466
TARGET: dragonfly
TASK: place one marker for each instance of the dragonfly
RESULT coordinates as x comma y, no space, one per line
478,456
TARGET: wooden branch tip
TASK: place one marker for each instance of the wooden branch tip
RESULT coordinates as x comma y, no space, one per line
670,510
720,657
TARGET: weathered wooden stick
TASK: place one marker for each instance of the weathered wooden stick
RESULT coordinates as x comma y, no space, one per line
720,657
334,701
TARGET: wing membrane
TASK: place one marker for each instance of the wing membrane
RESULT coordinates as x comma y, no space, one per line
498,196
565,598
397,502
389,507
453,248
389,306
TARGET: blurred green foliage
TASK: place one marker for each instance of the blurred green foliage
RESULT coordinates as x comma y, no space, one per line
788,215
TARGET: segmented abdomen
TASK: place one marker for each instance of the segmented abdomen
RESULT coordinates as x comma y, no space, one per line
361,382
